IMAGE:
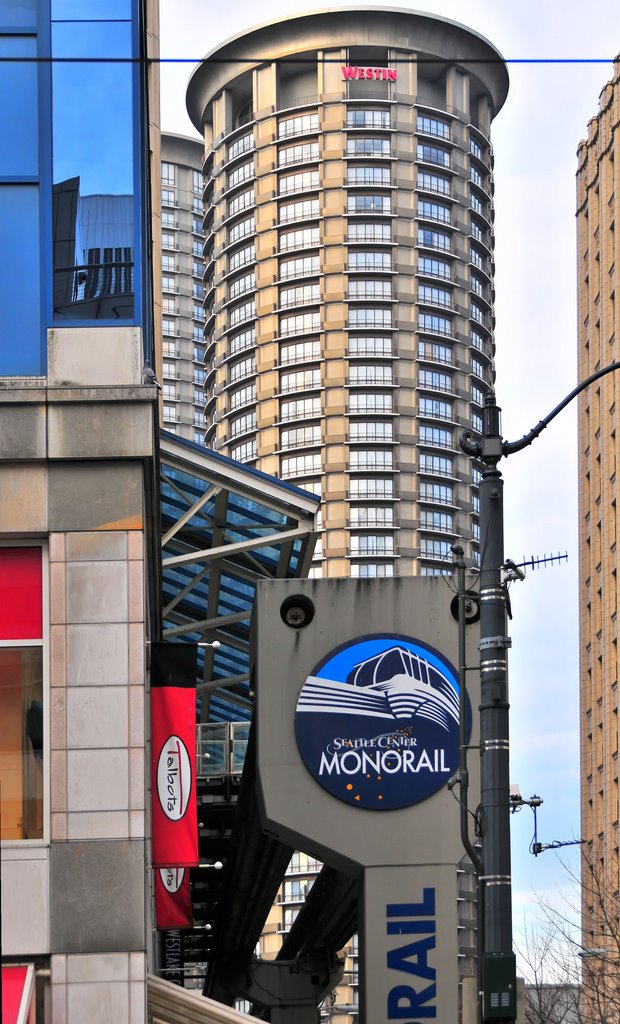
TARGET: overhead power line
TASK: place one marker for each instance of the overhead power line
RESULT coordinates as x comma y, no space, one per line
257,59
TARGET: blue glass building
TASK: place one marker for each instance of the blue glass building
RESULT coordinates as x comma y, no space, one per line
73,172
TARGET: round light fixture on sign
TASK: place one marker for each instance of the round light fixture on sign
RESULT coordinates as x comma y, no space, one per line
297,611
472,607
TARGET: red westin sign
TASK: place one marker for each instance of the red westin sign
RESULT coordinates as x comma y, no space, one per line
382,74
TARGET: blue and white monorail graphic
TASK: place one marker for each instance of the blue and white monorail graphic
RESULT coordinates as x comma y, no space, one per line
377,722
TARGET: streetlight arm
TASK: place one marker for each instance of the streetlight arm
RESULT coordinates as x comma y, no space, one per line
495,920
508,447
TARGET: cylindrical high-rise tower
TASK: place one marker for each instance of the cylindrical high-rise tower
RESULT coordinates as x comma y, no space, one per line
349,271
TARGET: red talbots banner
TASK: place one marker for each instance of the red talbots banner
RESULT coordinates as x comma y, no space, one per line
173,751
173,900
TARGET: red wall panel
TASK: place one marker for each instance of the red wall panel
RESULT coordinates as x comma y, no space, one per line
21,592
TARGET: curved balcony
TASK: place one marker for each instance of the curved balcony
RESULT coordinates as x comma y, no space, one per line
239,154
437,133
484,323
483,241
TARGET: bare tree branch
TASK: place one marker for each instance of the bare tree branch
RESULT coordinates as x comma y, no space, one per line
573,973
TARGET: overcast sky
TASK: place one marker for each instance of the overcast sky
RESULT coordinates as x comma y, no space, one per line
535,138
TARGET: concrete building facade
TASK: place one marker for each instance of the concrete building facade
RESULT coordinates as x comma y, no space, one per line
349,272
598,256
77,437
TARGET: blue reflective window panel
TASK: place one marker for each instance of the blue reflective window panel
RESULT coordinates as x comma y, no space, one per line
91,10
93,174
20,340
18,110
18,14
220,711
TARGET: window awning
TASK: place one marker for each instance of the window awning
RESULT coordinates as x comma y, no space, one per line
18,1005
171,1004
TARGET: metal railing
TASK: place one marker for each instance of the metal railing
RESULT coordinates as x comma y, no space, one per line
220,748
300,101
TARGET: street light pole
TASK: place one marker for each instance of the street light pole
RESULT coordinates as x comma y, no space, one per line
498,971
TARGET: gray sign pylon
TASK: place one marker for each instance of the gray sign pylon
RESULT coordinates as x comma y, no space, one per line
406,857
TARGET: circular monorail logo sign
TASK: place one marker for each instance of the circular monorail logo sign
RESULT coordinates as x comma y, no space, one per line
377,722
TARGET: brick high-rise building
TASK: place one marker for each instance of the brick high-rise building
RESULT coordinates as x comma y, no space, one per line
598,256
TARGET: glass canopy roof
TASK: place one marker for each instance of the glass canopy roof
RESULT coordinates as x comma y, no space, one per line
224,527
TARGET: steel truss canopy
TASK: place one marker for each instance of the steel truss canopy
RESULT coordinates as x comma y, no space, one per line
224,527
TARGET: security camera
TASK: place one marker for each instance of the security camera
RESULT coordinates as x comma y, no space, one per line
297,611
512,571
